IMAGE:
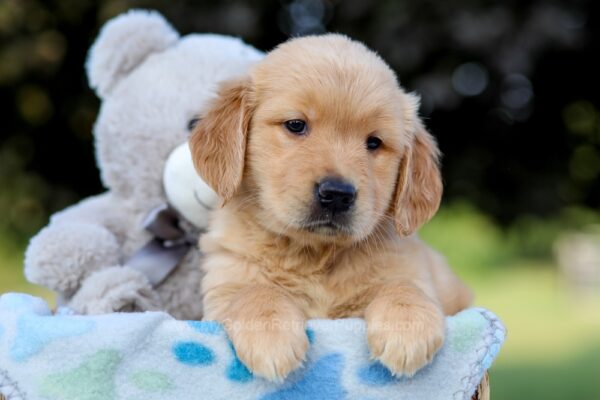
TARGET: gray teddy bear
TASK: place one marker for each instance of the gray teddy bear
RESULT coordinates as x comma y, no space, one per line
133,248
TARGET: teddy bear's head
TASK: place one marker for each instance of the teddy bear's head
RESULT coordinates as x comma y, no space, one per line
153,85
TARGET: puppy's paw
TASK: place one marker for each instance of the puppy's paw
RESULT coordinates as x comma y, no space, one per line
405,338
270,349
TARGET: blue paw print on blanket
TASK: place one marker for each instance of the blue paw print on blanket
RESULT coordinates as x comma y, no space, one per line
193,353
321,381
310,334
207,327
375,374
35,332
236,371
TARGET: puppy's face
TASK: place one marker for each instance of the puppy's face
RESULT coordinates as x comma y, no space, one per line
325,147
325,142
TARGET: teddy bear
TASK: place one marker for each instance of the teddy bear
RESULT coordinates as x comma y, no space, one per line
134,247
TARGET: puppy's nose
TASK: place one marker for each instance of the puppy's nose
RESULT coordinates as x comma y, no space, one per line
335,195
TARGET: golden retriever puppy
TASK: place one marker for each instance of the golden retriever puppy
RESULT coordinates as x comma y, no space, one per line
325,171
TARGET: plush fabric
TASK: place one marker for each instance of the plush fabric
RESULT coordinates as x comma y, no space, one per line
152,83
153,356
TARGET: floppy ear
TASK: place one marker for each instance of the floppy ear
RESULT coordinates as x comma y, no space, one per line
419,188
218,143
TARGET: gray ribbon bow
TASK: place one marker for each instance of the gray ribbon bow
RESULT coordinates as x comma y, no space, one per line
158,258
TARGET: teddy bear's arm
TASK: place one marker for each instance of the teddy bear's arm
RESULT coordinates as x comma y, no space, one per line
78,241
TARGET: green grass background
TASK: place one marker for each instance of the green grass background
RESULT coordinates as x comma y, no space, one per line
553,347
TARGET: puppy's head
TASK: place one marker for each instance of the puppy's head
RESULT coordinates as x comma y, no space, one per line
321,138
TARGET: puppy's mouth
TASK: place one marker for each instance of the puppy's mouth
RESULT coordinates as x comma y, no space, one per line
333,207
327,226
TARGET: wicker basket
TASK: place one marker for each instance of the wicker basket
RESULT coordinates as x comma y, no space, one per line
483,390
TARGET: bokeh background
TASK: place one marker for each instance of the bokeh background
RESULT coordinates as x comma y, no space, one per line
510,89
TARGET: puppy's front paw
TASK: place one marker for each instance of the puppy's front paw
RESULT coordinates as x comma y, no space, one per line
270,349
405,338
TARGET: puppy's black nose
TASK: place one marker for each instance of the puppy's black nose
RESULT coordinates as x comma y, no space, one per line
335,195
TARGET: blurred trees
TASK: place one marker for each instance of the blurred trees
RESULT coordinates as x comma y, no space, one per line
509,89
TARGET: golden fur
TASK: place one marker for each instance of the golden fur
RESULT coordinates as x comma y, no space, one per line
267,268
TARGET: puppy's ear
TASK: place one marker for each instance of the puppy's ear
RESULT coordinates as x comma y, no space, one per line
419,188
218,143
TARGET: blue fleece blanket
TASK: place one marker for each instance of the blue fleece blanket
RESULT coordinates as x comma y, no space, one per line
150,355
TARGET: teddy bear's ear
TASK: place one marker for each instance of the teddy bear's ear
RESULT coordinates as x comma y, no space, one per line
124,42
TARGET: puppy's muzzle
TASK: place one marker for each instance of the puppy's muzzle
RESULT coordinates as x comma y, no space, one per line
335,195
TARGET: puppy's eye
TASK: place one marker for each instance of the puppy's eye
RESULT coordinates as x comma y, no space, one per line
192,123
296,126
373,143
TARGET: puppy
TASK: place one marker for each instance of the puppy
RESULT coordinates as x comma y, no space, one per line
325,171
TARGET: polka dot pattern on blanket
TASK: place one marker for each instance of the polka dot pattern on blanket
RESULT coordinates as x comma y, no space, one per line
151,356
321,381
35,332
93,379
310,334
207,327
236,370
193,353
152,381
375,374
